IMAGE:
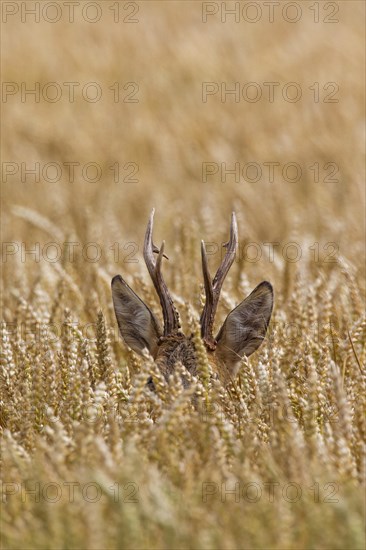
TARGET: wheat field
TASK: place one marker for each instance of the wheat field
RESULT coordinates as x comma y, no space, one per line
170,105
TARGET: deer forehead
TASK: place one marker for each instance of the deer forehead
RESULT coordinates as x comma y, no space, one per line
173,350
181,349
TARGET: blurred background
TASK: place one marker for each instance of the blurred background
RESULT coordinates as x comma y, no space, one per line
160,131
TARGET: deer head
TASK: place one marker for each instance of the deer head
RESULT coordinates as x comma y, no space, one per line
241,334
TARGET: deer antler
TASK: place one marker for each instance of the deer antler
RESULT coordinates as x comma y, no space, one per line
170,314
213,288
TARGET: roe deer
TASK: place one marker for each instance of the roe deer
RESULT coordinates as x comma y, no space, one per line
241,334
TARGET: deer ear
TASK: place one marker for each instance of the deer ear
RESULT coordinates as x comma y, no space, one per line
137,324
245,327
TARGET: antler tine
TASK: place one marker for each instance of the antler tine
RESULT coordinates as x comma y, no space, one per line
170,314
213,289
148,247
206,274
229,256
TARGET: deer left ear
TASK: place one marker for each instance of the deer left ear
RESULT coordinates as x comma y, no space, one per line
137,324
245,327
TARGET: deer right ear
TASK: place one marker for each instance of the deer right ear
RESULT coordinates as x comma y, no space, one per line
137,324
245,327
